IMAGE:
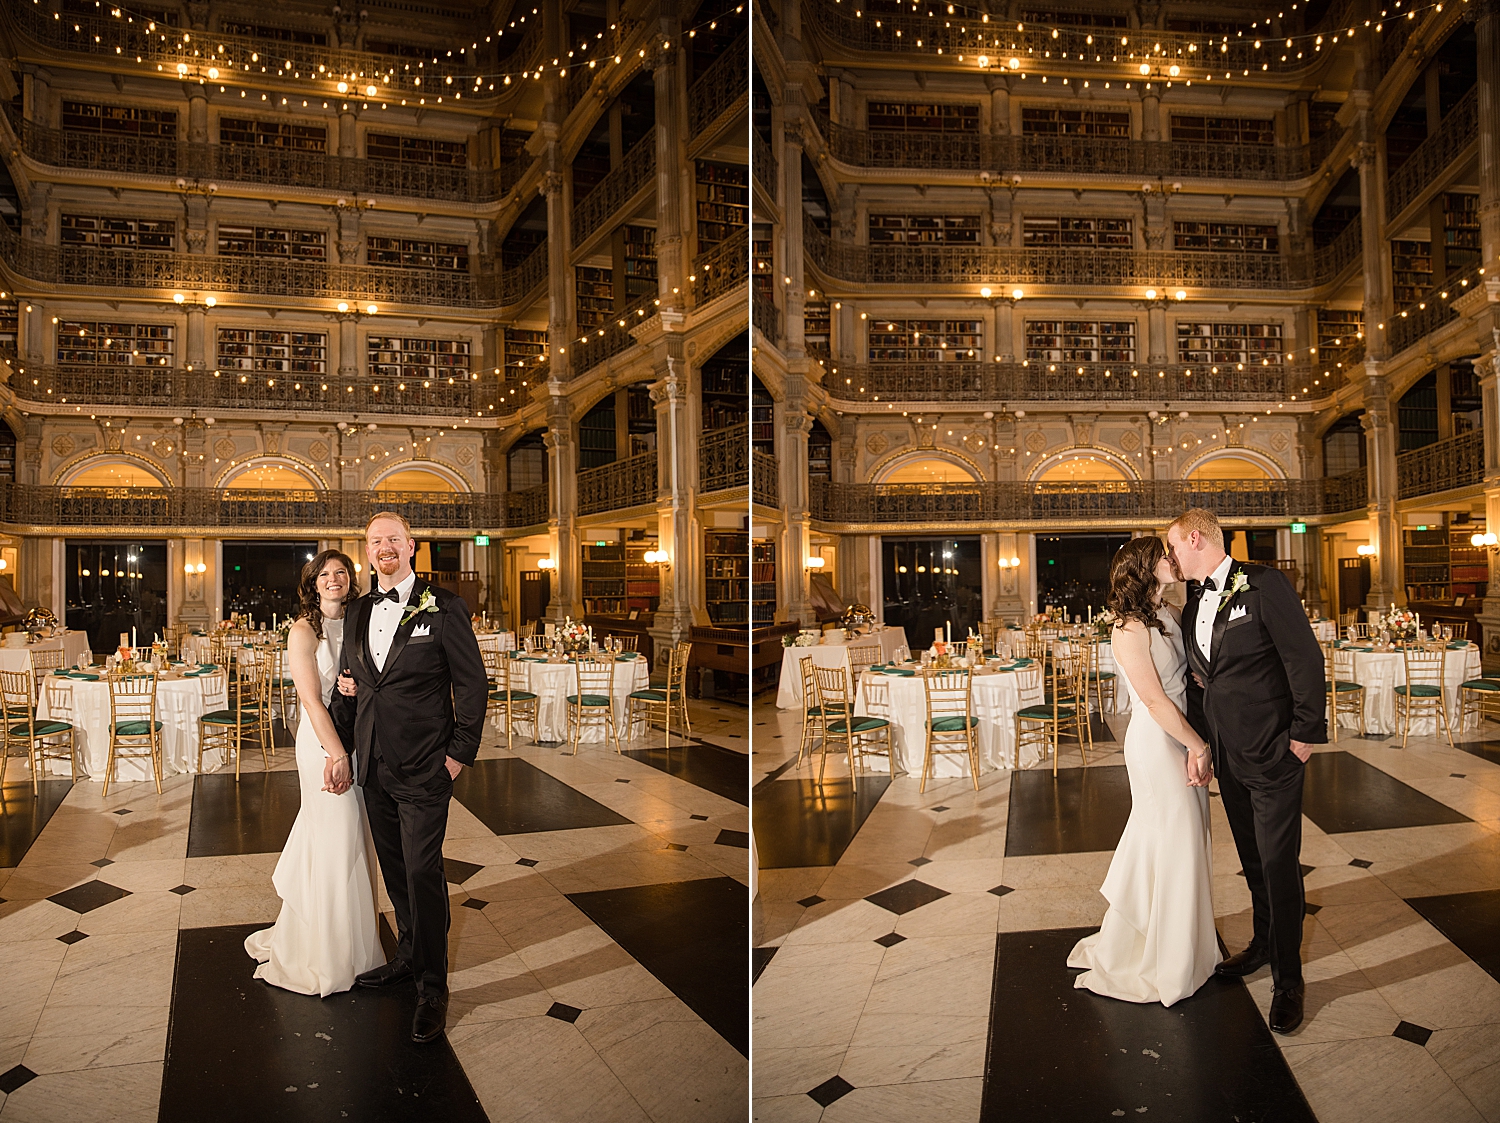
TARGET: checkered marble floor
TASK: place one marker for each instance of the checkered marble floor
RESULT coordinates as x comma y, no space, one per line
550,1015
877,985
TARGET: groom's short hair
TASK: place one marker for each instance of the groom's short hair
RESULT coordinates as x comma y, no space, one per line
378,515
1205,522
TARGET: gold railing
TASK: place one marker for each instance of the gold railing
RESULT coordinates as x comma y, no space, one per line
724,458
634,173
613,487
723,84
1458,130
724,267
1441,466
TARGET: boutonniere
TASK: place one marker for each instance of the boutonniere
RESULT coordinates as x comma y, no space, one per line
426,603
1238,585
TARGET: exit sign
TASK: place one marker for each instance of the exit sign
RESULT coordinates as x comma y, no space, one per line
481,539
1422,527
1299,528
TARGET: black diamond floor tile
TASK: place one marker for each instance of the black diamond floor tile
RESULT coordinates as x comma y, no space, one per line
907,897
1342,793
102,862
72,937
740,839
1410,1031
1083,809
622,781
183,890
526,861
919,862
676,846
1306,869
1310,909
563,1012
809,902
22,816
831,1090
1001,890
88,896
1361,863
253,816
802,823
14,1078
890,939
1458,775
456,872
1471,921
514,796
713,768
760,958
940,808
474,903
699,818
124,811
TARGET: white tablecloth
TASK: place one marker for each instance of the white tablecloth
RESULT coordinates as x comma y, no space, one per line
1380,672
553,682
789,694
74,646
996,698
179,705
1106,665
1325,630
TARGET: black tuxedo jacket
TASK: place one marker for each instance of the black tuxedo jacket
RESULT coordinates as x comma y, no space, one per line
429,701
1264,678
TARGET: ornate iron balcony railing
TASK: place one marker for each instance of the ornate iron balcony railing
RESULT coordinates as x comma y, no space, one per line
162,507
721,269
884,504
625,483
634,173
170,387
764,486
141,269
393,75
1070,154
527,508
968,34
724,458
1040,381
614,337
763,163
917,265
1458,130
766,316
582,77
724,83
1417,321
1442,466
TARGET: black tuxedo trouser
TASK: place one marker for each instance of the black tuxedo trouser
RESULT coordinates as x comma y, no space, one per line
408,823
1266,822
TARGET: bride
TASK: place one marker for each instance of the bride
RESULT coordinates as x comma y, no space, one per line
325,934
1158,942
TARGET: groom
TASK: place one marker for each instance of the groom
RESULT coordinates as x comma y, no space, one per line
1256,685
417,712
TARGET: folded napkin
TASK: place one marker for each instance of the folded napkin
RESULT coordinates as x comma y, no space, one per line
202,669
1023,662
903,672
629,655
1363,650
64,672
81,677
1458,645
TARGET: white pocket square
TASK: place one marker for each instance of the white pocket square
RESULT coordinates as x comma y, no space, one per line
1237,612
426,629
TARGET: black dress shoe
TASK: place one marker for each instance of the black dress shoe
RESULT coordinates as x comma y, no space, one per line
432,1016
1286,1008
385,974
1246,962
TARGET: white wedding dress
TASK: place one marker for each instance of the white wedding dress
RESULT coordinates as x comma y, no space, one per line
1157,943
326,933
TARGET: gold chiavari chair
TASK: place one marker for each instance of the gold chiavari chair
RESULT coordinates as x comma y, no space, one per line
1360,632
491,657
1028,685
628,642
843,725
670,695
1104,683
44,660
533,644
214,687
1478,697
23,726
876,689
1345,696
593,704
1064,708
1457,630
133,723
512,694
1422,692
283,686
812,711
861,657
951,725
245,719
1037,644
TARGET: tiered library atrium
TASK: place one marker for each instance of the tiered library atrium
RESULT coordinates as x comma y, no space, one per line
1031,281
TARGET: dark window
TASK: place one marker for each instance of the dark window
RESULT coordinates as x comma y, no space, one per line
1223,130
909,117
280,34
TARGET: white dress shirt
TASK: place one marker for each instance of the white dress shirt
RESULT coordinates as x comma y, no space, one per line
385,617
1208,608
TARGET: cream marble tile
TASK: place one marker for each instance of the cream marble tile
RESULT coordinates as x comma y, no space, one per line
781,1071
770,921
839,922
104,1036
1028,910
1440,988
143,877
481,851
587,842
488,982
147,911
229,870
33,882
813,995
932,1101
1085,870
786,1109
502,883
1377,1080
121,1094
463,824
618,869
901,1049
852,879
528,921
234,904
791,884
24,921
1471,1056
1344,885
133,969
955,915
949,975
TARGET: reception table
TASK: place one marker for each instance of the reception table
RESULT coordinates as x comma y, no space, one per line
789,694
180,702
1380,672
553,682
73,645
997,695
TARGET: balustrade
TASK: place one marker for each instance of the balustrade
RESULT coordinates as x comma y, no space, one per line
1458,130
725,82
764,165
764,485
722,268
1441,466
634,173
766,316
724,458
526,508
613,487
1417,321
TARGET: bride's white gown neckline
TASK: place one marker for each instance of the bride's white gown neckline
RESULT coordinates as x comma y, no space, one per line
1158,942
326,932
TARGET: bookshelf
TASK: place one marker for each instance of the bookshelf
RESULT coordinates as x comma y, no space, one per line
1411,271
726,586
524,350
925,341
762,583
723,381
817,323
640,419
617,579
819,453
637,262
910,117
924,229
1227,237
1441,563
762,420
595,296
1461,244
1469,565
596,435
723,202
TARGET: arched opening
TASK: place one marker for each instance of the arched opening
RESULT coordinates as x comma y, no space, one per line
115,473
271,475
526,462
1344,445
722,385
929,470
1229,468
415,479
1082,467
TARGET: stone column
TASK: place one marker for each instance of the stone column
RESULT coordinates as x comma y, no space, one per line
793,327
1488,369
562,463
197,113
999,85
347,149
1151,115
1486,16
673,252
1156,332
194,611
1380,437
795,424
348,345
677,525
1308,547
197,337
35,564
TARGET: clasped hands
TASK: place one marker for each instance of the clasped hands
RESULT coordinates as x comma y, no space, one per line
331,768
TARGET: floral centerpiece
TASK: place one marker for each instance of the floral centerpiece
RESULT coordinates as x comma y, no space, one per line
1400,622
1103,623
573,635
1052,614
805,638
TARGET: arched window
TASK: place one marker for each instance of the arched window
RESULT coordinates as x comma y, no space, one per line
929,470
115,473
415,479
1229,468
1082,467
271,475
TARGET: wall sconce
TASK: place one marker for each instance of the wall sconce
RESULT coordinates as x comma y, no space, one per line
546,563
1489,539
1010,563
816,563
1365,551
657,557
194,570
1015,297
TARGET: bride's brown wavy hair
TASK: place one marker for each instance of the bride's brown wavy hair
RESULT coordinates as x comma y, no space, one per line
1133,587
311,608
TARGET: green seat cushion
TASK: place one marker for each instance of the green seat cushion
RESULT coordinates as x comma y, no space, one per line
952,724
1482,684
228,717
814,711
661,696
1419,690
515,696
1095,676
1350,687
41,729
866,724
588,699
1045,712
135,728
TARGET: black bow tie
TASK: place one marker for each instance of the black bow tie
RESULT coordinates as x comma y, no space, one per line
388,594
1208,583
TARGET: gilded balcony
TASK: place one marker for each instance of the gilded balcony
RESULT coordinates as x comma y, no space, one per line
1447,465
724,459
615,487
721,269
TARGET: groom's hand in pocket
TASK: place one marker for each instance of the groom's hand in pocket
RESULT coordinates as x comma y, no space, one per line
454,767
1301,750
